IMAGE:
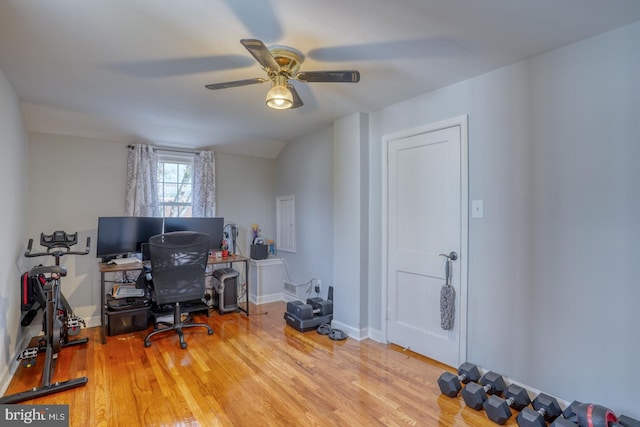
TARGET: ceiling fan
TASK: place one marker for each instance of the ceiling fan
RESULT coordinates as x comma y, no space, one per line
283,64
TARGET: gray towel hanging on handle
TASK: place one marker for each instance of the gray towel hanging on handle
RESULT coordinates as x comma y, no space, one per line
447,296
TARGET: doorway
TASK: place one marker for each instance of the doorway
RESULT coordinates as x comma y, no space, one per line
425,205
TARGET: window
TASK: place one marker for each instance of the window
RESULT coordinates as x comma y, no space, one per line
175,185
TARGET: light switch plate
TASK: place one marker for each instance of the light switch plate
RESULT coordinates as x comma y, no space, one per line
477,209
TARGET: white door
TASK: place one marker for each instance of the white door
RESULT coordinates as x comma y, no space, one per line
426,216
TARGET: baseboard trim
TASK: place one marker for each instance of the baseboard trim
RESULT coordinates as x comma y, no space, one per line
377,336
264,299
533,392
355,333
10,370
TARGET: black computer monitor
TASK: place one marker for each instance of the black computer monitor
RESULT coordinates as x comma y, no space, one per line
211,226
123,235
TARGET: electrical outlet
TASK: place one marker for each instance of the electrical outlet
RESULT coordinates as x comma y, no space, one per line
318,287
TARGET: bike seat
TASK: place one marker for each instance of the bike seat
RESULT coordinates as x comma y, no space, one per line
48,269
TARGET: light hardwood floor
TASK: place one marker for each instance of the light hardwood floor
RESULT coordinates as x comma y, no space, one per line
254,371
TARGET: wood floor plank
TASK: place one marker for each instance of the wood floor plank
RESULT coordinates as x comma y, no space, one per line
254,371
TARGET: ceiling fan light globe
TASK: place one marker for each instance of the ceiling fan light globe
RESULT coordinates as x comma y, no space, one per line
279,97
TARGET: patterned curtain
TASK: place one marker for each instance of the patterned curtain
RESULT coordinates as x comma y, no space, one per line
141,197
204,185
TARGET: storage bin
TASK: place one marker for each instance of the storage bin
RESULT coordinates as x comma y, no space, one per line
123,322
259,251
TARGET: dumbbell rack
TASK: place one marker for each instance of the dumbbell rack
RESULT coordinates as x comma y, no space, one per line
307,317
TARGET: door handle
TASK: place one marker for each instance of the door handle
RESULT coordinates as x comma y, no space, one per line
452,255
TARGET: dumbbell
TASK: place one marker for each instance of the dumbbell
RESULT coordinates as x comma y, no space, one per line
299,309
450,384
499,410
308,311
545,409
475,394
569,416
320,307
625,421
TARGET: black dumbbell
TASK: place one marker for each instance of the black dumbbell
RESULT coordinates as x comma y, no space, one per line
450,384
545,409
625,421
499,410
474,394
320,307
563,422
569,416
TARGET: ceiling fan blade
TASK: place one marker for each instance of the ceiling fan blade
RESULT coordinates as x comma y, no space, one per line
236,83
297,102
350,76
259,17
261,53
162,68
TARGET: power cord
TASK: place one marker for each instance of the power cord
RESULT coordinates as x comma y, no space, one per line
308,283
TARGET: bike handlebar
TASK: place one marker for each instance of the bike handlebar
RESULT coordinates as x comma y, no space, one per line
59,252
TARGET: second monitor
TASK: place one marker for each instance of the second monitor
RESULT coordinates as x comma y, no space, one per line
211,226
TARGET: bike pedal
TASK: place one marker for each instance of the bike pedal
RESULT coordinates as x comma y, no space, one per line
75,322
29,353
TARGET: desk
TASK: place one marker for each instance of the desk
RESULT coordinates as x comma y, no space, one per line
114,268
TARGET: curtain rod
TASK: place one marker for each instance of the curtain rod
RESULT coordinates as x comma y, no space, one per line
173,150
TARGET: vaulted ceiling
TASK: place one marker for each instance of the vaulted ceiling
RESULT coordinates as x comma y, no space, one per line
135,70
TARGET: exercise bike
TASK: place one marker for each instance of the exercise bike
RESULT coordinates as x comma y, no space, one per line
40,289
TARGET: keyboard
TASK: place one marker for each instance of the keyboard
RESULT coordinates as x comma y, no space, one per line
123,261
128,292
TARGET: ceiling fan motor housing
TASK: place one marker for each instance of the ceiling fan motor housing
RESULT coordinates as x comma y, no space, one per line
288,60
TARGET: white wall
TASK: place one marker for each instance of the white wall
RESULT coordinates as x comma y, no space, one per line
244,195
13,193
586,175
75,180
553,152
305,170
350,202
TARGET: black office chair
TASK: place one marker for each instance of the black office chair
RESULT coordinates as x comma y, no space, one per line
178,267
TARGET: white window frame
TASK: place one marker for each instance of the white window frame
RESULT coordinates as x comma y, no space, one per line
179,158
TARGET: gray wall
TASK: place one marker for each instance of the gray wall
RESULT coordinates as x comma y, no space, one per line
75,180
13,175
585,163
244,195
553,152
305,169
350,215
72,182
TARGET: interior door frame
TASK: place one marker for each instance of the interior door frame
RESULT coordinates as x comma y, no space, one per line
461,121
